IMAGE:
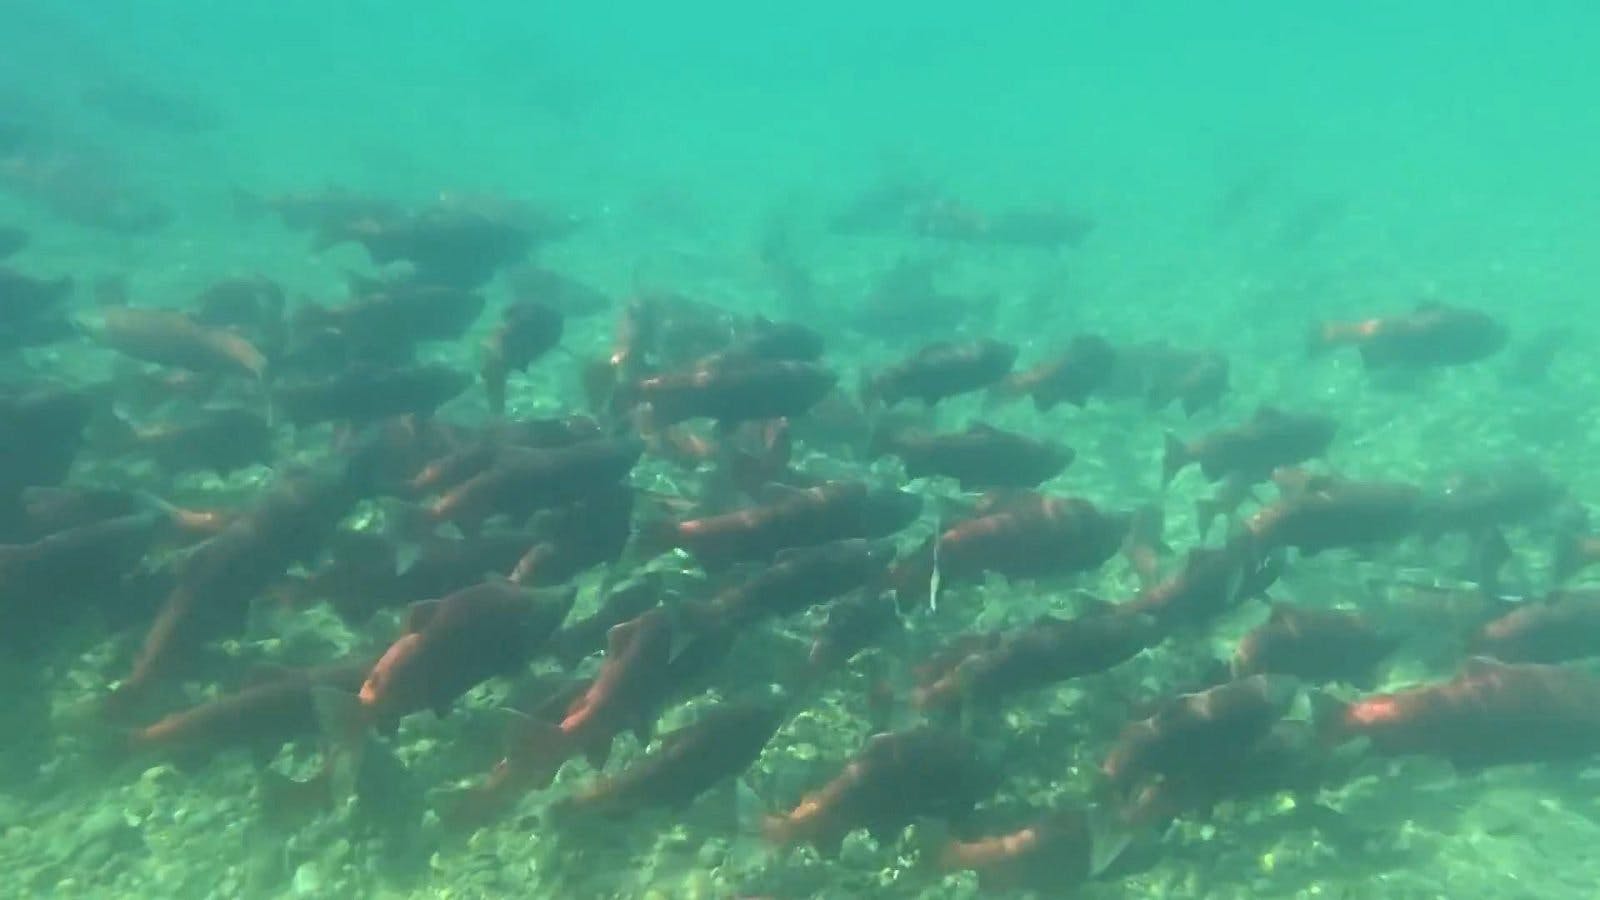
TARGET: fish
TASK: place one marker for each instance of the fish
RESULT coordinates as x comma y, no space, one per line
1562,627
797,578
218,439
1334,513
1317,646
565,295
448,244
1083,368
626,694
32,310
362,394
896,779
524,480
730,394
1432,335
41,433
1197,380
581,638
835,510
1252,450
219,579
942,370
1192,735
272,710
1030,536
850,625
720,744
1051,855
171,338
527,331
1047,652
1490,714
450,645
980,457
1211,581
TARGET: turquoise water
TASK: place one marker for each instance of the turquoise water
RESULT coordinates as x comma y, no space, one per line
1250,169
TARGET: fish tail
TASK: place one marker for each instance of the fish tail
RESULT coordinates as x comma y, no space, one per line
1175,457
536,749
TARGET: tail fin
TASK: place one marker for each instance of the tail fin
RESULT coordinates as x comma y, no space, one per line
1174,458
1328,718
343,719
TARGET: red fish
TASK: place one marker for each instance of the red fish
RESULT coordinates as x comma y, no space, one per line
626,695
1431,335
835,510
942,370
1490,714
897,778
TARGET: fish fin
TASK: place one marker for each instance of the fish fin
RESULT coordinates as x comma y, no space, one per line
1174,458
340,714
1482,665
536,747
406,556
419,614
1108,840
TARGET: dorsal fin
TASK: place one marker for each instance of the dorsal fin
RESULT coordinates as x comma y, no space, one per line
420,614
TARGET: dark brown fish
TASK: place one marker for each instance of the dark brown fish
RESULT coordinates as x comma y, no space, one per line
452,644
41,432
851,624
566,295
1046,653
1332,513
942,370
1252,450
1197,380
797,579
836,510
524,480
1083,368
220,440
626,694
527,331
1562,627
1432,335
1196,734
448,244
897,778
1212,581
1489,714
217,582
365,393
1314,645
585,636
1050,856
261,717
1032,536
980,457
720,744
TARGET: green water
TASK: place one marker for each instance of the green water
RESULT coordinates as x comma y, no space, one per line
1250,168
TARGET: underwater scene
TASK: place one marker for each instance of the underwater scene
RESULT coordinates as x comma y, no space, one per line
706,451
